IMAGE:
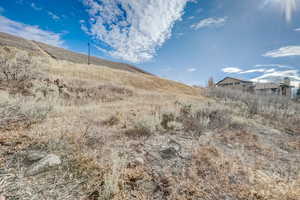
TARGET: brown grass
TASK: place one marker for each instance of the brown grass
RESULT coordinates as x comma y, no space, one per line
111,148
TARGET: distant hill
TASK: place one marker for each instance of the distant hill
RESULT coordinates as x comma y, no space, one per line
57,53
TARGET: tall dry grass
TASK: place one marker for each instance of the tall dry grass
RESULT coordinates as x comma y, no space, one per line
279,111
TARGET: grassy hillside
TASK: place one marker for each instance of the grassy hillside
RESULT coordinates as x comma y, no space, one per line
72,131
39,48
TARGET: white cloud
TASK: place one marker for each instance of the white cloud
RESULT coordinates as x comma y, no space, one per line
268,75
284,52
191,69
35,7
274,65
83,27
133,29
53,16
293,75
29,32
235,70
230,70
209,22
252,71
297,29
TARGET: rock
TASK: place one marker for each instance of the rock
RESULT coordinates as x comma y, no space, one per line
2,197
45,164
168,153
147,186
138,161
33,156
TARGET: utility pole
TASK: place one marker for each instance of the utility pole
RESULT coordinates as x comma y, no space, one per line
89,52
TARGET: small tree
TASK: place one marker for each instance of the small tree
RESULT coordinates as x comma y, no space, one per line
210,82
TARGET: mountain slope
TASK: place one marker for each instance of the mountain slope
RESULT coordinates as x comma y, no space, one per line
72,131
57,53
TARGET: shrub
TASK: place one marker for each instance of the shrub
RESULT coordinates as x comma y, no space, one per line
140,129
279,111
18,70
21,113
213,117
257,104
111,121
16,66
206,116
166,119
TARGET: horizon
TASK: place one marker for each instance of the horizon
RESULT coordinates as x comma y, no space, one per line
182,40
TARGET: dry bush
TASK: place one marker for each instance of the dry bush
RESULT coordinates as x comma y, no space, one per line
112,180
18,70
197,119
111,121
215,175
21,112
167,118
140,129
16,66
280,111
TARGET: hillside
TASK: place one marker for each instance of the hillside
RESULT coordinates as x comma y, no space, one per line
73,131
39,48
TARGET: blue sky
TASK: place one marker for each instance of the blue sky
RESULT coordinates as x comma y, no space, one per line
182,40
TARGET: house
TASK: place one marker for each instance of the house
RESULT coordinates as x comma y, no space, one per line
235,83
282,89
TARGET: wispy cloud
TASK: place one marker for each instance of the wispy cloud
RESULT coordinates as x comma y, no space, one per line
297,29
209,22
35,7
236,70
133,29
293,75
83,26
53,16
267,75
284,52
274,65
29,32
230,70
191,69
255,70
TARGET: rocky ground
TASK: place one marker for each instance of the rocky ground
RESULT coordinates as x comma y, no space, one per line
67,137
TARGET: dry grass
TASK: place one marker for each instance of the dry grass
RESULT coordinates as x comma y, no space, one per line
111,130
103,74
280,112
22,112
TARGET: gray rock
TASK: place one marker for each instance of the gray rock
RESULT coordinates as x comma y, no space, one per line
33,156
45,164
138,161
147,186
168,153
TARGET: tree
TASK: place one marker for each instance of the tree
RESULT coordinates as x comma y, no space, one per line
210,82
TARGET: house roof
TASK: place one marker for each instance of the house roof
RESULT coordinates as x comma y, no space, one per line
234,79
261,86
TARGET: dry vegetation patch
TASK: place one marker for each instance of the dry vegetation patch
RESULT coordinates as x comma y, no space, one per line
122,135
279,112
